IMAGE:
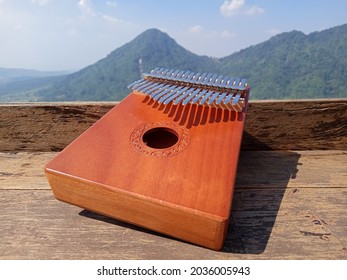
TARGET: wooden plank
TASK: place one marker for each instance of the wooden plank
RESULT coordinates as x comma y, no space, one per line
270,125
296,125
24,170
46,127
269,169
292,169
294,209
310,226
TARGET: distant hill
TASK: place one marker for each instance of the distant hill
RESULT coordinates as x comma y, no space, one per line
9,75
294,65
288,65
26,84
108,78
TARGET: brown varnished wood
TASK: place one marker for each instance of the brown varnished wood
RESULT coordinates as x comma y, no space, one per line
186,194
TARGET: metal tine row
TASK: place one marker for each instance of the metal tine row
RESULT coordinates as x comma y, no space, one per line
198,78
168,85
165,93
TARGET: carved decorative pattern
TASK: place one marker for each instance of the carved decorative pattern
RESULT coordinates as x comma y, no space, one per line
139,146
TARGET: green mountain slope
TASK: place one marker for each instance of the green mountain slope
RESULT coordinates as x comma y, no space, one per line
108,78
289,65
294,65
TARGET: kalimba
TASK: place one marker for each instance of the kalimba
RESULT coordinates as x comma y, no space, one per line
164,158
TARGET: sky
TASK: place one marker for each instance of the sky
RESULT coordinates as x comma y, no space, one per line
68,35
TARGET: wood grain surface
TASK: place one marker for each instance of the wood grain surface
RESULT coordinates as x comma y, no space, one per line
270,125
287,205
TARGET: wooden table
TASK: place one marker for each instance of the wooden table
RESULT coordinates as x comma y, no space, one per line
289,203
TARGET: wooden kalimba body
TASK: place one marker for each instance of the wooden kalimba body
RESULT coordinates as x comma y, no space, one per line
165,158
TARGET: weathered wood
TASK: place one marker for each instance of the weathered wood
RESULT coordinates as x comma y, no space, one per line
256,169
270,125
287,205
296,125
45,127
36,226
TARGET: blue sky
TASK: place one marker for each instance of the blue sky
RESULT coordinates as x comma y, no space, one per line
71,34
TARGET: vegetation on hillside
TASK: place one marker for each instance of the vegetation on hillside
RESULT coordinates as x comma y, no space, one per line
289,65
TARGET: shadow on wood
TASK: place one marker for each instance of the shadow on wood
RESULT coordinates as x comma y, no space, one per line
112,221
261,182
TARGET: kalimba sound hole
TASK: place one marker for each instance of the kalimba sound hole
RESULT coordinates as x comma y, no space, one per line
160,138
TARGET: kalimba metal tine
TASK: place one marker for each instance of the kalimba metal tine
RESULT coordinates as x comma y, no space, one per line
219,80
242,84
195,77
165,85
213,97
236,83
196,98
220,98
144,86
201,78
207,79
168,74
225,81
153,94
212,81
205,97
136,86
191,96
185,76
228,98
163,98
179,98
236,98
180,74
175,73
155,70
134,83
229,82
155,88
172,97
159,71
190,77
148,90
157,96
163,73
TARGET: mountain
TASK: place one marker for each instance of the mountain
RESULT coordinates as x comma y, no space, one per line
294,65
9,75
288,65
108,78
26,84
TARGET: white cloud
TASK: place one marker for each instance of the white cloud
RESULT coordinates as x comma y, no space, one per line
226,34
274,31
86,7
40,2
109,19
72,31
88,10
254,10
111,3
195,29
236,7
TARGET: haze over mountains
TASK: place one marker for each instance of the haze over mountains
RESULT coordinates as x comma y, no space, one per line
288,65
